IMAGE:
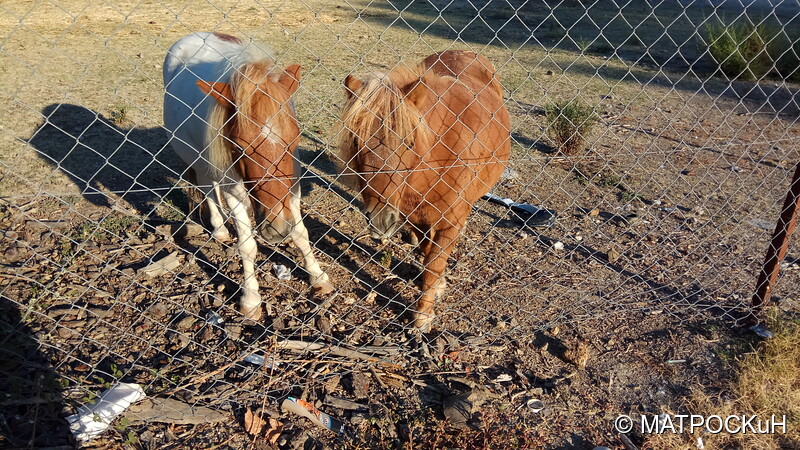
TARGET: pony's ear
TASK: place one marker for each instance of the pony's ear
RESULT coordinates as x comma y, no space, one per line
220,91
416,93
291,78
352,84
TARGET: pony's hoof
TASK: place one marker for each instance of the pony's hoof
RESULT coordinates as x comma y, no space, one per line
251,313
223,237
424,321
323,288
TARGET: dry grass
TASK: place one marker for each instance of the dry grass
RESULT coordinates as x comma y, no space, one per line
767,384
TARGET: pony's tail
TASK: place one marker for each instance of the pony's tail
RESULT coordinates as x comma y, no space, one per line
218,151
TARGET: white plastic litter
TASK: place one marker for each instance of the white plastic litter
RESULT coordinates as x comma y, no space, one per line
92,420
281,272
502,378
260,361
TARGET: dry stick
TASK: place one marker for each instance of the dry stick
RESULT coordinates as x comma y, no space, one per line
777,248
333,349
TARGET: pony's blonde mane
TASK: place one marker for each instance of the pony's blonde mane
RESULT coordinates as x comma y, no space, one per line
380,110
247,79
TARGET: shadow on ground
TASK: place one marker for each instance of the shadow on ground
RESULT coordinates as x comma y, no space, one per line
31,408
108,162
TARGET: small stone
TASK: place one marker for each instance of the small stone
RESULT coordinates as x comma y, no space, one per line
324,325
186,323
234,330
558,245
613,255
66,333
594,212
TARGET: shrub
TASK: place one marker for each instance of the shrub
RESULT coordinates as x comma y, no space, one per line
788,63
569,124
740,50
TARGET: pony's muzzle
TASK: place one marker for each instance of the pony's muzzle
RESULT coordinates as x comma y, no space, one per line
384,224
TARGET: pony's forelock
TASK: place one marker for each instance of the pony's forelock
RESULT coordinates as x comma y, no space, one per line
247,80
379,110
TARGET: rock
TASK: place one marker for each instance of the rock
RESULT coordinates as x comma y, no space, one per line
324,325
458,410
186,323
157,310
509,174
613,255
234,330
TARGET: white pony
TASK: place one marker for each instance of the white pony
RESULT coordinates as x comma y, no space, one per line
230,117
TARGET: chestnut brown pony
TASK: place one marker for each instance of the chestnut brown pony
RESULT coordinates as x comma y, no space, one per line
421,145
230,117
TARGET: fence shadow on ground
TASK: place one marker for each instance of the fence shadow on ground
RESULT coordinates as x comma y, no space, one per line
31,409
648,40
107,161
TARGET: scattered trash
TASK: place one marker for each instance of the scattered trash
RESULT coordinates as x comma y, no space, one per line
92,420
305,409
601,448
700,445
535,405
532,216
502,378
762,331
165,265
676,361
281,272
214,319
259,360
558,245
670,210
167,410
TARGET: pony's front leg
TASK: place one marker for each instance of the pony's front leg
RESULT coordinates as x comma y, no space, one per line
436,252
250,302
299,235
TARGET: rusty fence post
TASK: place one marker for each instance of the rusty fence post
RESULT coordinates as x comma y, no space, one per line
777,248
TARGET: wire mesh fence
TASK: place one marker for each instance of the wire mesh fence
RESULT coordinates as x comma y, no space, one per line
686,117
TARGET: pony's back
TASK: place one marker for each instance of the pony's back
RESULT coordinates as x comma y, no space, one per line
472,69
199,56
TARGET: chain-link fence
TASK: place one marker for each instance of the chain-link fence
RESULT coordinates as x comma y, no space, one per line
664,210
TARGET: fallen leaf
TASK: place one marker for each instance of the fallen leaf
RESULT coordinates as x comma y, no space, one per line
253,424
274,431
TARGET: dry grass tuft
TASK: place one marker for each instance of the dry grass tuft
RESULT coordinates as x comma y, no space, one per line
768,384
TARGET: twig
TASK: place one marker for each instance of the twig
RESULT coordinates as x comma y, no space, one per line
333,349
378,378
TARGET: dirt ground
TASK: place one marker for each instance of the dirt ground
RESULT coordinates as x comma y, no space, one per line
664,221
